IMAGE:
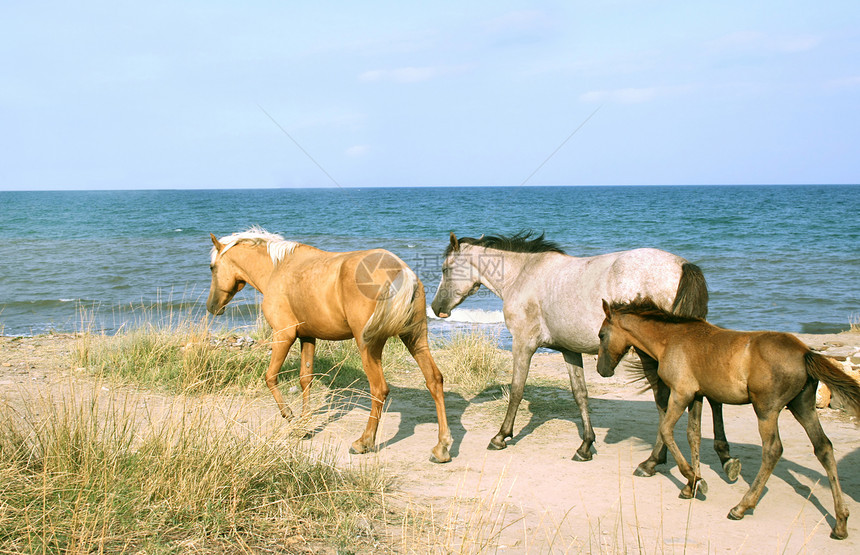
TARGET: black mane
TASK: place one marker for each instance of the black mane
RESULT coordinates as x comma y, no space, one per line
648,309
521,242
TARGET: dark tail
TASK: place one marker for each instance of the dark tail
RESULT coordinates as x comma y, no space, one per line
691,300
823,369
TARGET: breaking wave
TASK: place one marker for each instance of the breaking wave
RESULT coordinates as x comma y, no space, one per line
470,316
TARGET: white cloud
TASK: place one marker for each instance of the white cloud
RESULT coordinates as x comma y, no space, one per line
519,22
622,96
357,151
844,83
754,41
634,95
411,74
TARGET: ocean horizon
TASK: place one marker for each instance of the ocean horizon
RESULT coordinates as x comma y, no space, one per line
783,257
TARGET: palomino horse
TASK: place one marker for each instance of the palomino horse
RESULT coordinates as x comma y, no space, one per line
312,294
693,358
552,300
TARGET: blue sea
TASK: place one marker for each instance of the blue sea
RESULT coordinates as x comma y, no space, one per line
775,257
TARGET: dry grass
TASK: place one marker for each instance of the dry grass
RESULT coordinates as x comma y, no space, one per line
122,484
471,359
178,357
90,473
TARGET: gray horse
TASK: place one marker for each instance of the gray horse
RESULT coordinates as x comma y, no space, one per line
553,300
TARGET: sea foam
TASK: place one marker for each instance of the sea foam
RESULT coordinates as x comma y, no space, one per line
471,316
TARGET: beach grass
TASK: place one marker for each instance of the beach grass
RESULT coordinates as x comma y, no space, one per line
90,473
184,354
179,357
471,359
94,477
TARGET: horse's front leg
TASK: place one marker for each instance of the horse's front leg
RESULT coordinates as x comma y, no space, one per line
371,359
522,354
648,467
580,392
675,409
694,438
282,340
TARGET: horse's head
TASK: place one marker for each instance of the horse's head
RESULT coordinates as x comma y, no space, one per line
226,279
460,279
614,344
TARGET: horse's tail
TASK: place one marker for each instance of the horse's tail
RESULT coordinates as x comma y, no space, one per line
823,369
691,299
394,310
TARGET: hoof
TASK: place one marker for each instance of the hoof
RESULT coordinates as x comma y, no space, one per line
359,449
644,472
582,458
437,460
497,444
440,454
732,468
691,492
735,515
838,535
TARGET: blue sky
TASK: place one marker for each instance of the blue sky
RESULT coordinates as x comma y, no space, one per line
122,95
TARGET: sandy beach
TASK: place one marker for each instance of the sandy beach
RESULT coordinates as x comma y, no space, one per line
531,497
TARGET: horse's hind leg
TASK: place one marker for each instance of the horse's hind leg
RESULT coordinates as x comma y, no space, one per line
731,465
306,372
803,408
771,451
371,359
580,392
416,342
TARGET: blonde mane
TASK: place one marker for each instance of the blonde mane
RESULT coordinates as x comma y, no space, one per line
277,247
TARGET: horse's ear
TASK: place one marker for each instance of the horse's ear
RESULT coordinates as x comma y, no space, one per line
606,308
455,244
216,242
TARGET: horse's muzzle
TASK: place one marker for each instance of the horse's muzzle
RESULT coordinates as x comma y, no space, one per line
438,309
605,367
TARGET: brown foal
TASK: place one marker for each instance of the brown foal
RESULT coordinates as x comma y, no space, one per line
693,358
